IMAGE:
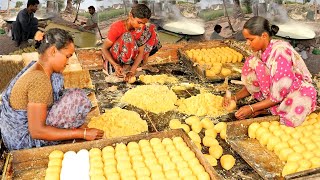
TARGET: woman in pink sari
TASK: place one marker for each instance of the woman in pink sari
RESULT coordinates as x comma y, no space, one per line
276,76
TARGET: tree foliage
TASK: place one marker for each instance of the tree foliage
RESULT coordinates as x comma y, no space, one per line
18,4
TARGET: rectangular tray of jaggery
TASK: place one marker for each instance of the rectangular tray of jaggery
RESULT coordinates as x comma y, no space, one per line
200,70
266,163
90,58
32,163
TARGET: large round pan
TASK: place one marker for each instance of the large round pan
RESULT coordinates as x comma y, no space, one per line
13,18
295,31
184,27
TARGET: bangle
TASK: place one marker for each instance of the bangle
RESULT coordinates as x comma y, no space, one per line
84,133
251,108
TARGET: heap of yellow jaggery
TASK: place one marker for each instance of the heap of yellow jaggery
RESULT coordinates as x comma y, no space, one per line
201,105
153,98
158,79
119,122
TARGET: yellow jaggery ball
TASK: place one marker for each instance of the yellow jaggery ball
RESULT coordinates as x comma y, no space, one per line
95,152
172,174
174,124
97,177
278,147
207,123
285,137
197,169
177,140
289,168
273,141
279,132
296,135
120,147
182,165
96,164
109,162
211,133
185,127
53,169
184,172
212,161
273,127
223,134
133,145
310,146
108,155
308,155
261,130
209,141
196,127
52,176
188,155
138,164
203,176
216,151
294,157
137,158
265,138
304,163
155,141
55,162
299,148
191,120
220,126
134,152
56,154
293,142
265,124
127,174
96,171
167,141
142,171
192,177
225,72
113,176
144,143
168,166
107,149
194,161
252,129
194,136
284,153
170,148
227,161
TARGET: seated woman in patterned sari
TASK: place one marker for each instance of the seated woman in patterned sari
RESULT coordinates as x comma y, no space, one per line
276,76
33,112
131,41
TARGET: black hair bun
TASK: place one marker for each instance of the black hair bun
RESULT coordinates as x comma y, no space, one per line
274,30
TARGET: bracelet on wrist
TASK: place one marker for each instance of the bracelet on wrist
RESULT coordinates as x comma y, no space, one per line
251,109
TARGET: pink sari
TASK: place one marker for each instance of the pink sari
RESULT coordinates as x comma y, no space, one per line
280,74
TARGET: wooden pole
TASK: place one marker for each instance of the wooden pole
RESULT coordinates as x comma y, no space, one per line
226,13
315,10
8,12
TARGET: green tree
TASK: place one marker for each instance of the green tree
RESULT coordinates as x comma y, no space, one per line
18,4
